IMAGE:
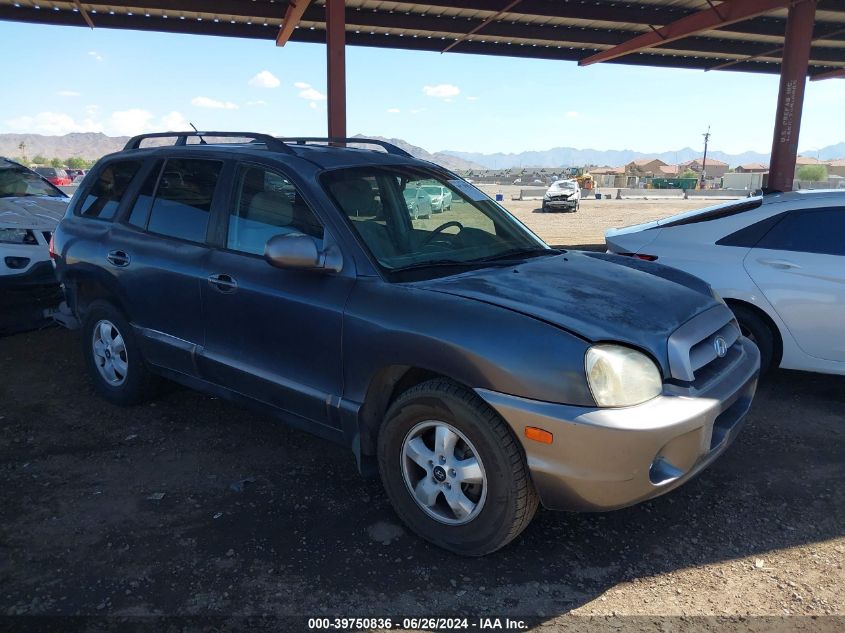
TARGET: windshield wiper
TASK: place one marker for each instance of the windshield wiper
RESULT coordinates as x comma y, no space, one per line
519,252
440,263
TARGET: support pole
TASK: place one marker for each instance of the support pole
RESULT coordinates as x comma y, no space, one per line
793,78
336,66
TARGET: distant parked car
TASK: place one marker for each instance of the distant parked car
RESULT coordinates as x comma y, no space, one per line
55,176
439,197
777,260
30,210
418,202
562,195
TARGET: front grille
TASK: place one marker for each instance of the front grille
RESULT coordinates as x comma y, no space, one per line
693,346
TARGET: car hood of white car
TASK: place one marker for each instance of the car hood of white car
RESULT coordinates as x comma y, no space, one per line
40,213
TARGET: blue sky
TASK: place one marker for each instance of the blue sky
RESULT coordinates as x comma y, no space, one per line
66,79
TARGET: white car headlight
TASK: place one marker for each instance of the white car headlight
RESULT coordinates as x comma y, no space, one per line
620,376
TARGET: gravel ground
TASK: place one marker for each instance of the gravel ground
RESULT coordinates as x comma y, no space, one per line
193,507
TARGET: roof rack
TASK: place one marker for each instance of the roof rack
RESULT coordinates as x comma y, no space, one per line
390,147
271,142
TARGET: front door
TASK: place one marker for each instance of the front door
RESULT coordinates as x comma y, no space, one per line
273,334
800,267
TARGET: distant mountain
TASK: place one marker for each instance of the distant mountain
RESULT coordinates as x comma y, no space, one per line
572,157
87,145
446,159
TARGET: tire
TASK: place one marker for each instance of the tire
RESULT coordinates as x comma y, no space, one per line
129,381
544,208
497,499
759,332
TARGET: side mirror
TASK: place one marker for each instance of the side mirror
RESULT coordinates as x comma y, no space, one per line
298,251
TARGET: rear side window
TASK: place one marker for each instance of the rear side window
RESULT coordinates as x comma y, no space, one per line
266,204
104,196
819,231
183,200
144,202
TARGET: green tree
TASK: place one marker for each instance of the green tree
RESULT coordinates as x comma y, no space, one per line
813,173
76,163
38,159
689,173
56,162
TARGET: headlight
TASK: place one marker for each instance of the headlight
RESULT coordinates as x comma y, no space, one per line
17,236
619,376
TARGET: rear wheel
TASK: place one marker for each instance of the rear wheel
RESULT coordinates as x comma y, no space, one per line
758,332
453,469
113,358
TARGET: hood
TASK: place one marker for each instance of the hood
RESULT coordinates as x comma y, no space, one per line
596,296
32,212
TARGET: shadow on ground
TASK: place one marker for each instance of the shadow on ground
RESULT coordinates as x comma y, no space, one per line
192,506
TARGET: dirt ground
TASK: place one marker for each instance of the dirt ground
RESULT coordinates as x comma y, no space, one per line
193,507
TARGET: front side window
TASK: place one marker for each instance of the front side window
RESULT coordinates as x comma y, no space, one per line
266,204
104,196
411,217
818,231
182,203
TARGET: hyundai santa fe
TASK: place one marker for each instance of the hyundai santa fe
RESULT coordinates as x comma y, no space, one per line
477,370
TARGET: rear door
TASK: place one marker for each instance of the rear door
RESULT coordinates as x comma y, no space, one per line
799,265
160,253
273,334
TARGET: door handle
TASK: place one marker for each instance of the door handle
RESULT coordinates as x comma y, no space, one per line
118,258
223,283
778,263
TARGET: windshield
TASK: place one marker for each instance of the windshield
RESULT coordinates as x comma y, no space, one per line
564,184
16,181
390,209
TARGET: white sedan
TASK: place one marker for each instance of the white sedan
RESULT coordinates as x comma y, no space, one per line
777,260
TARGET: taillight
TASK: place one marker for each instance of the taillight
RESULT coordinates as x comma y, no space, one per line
642,256
52,248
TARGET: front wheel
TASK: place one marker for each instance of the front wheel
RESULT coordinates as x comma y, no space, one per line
453,470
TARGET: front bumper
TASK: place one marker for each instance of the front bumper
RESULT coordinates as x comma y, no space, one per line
570,203
604,459
38,274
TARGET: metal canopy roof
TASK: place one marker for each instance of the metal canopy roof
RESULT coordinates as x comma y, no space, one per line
543,29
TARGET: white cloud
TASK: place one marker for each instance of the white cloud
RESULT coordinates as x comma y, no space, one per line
441,91
472,98
130,122
95,55
175,121
313,105
308,92
393,110
51,124
572,114
206,102
67,93
265,79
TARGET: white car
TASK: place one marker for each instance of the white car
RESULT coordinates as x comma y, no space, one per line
777,260
30,210
562,195
418,202
440,197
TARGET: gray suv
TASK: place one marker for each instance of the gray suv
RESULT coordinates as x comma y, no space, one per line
478,370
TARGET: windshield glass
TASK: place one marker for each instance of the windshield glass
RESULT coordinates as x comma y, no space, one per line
16,180
391,210
564,184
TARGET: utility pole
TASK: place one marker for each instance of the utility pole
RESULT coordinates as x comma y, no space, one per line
706,136
22,148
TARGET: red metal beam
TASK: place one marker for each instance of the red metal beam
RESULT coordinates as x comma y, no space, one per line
83,13
336,66
293,15
793,78
832,74
729,12
493,17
